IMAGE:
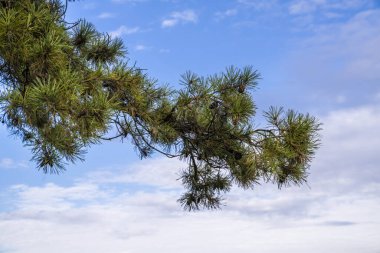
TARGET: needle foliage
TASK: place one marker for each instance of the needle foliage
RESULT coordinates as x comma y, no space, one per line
65,86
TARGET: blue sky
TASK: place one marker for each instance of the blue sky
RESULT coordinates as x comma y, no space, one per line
317,56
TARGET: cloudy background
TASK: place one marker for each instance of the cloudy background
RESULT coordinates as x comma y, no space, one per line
317,56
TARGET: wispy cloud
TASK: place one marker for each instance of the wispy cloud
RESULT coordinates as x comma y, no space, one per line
299,7
141,47
128,1
162,173
305,7
344,54
124,30
226,13
175,18
89,6
259,4
8,163
105,15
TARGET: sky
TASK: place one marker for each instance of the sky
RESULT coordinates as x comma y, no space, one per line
316,56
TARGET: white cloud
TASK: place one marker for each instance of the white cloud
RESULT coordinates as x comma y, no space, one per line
377,97
54,197
8,163
344,173
339,58
128,1
162,173
340,99
300,7
305,7
105,15
124,30
169,22
89,6
338,213
141,47
187,16
226,13
349,149
259,5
